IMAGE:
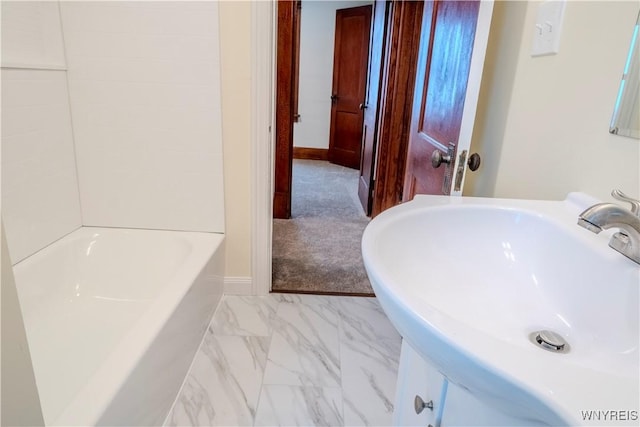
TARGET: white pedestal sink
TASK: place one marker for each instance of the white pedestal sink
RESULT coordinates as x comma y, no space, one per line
467,281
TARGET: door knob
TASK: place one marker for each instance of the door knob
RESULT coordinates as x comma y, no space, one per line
438,158
419,404
474,161
334,97
363,106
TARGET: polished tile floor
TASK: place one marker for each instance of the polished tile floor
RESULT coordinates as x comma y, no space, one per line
289,359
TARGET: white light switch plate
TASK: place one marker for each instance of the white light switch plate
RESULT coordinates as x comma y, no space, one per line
548,27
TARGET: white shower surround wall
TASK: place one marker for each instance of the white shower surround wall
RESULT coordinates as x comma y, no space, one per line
112,331
114,318
144,90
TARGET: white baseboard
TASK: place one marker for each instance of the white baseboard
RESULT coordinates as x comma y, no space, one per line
238,286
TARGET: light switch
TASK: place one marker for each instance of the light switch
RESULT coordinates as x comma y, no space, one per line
546,33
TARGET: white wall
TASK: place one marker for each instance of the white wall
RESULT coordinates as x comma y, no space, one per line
20,400
235,52
39,185
38,180
495,94
317,37
145,98
554,120
31,34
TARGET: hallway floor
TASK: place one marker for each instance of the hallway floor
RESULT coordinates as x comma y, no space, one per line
318,249
288,359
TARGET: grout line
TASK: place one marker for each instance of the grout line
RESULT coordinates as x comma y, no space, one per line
45,247
71,122
270,326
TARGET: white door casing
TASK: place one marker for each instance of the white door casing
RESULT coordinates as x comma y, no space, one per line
263,24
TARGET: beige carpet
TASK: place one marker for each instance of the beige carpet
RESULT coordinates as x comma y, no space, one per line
318,249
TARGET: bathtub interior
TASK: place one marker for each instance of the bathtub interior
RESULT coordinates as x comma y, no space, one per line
98,301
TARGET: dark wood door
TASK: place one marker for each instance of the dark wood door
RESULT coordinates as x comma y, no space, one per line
447,38
288,46
371,102
350,59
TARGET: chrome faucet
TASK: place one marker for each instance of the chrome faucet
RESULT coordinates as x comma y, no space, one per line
603,216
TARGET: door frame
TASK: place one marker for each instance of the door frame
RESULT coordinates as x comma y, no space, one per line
400,61
263,56
286,79
263,24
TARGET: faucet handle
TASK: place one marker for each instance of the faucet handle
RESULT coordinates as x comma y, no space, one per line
635,204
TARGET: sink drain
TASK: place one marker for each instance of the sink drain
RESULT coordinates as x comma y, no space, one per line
550,341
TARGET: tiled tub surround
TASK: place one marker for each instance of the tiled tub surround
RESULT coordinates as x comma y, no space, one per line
144,91
40,201
114,317
288,359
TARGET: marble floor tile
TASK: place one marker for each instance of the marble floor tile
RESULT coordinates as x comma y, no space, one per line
325,306
364,327
369,355
224,382
305,348
291,359
282,405
244,315
368,388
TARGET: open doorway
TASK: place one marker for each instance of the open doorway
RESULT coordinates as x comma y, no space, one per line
384,157
318,249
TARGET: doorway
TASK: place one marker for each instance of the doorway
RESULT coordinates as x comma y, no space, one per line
394,102
316,248
322,117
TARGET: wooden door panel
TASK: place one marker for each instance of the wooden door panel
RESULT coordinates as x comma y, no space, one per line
350,32
350,126
448,32
349,78
441,111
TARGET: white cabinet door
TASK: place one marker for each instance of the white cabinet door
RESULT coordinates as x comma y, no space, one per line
416,377
461,408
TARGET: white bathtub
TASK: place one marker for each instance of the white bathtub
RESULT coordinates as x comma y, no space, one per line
114,318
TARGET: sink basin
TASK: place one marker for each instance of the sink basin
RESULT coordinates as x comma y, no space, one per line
468,282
